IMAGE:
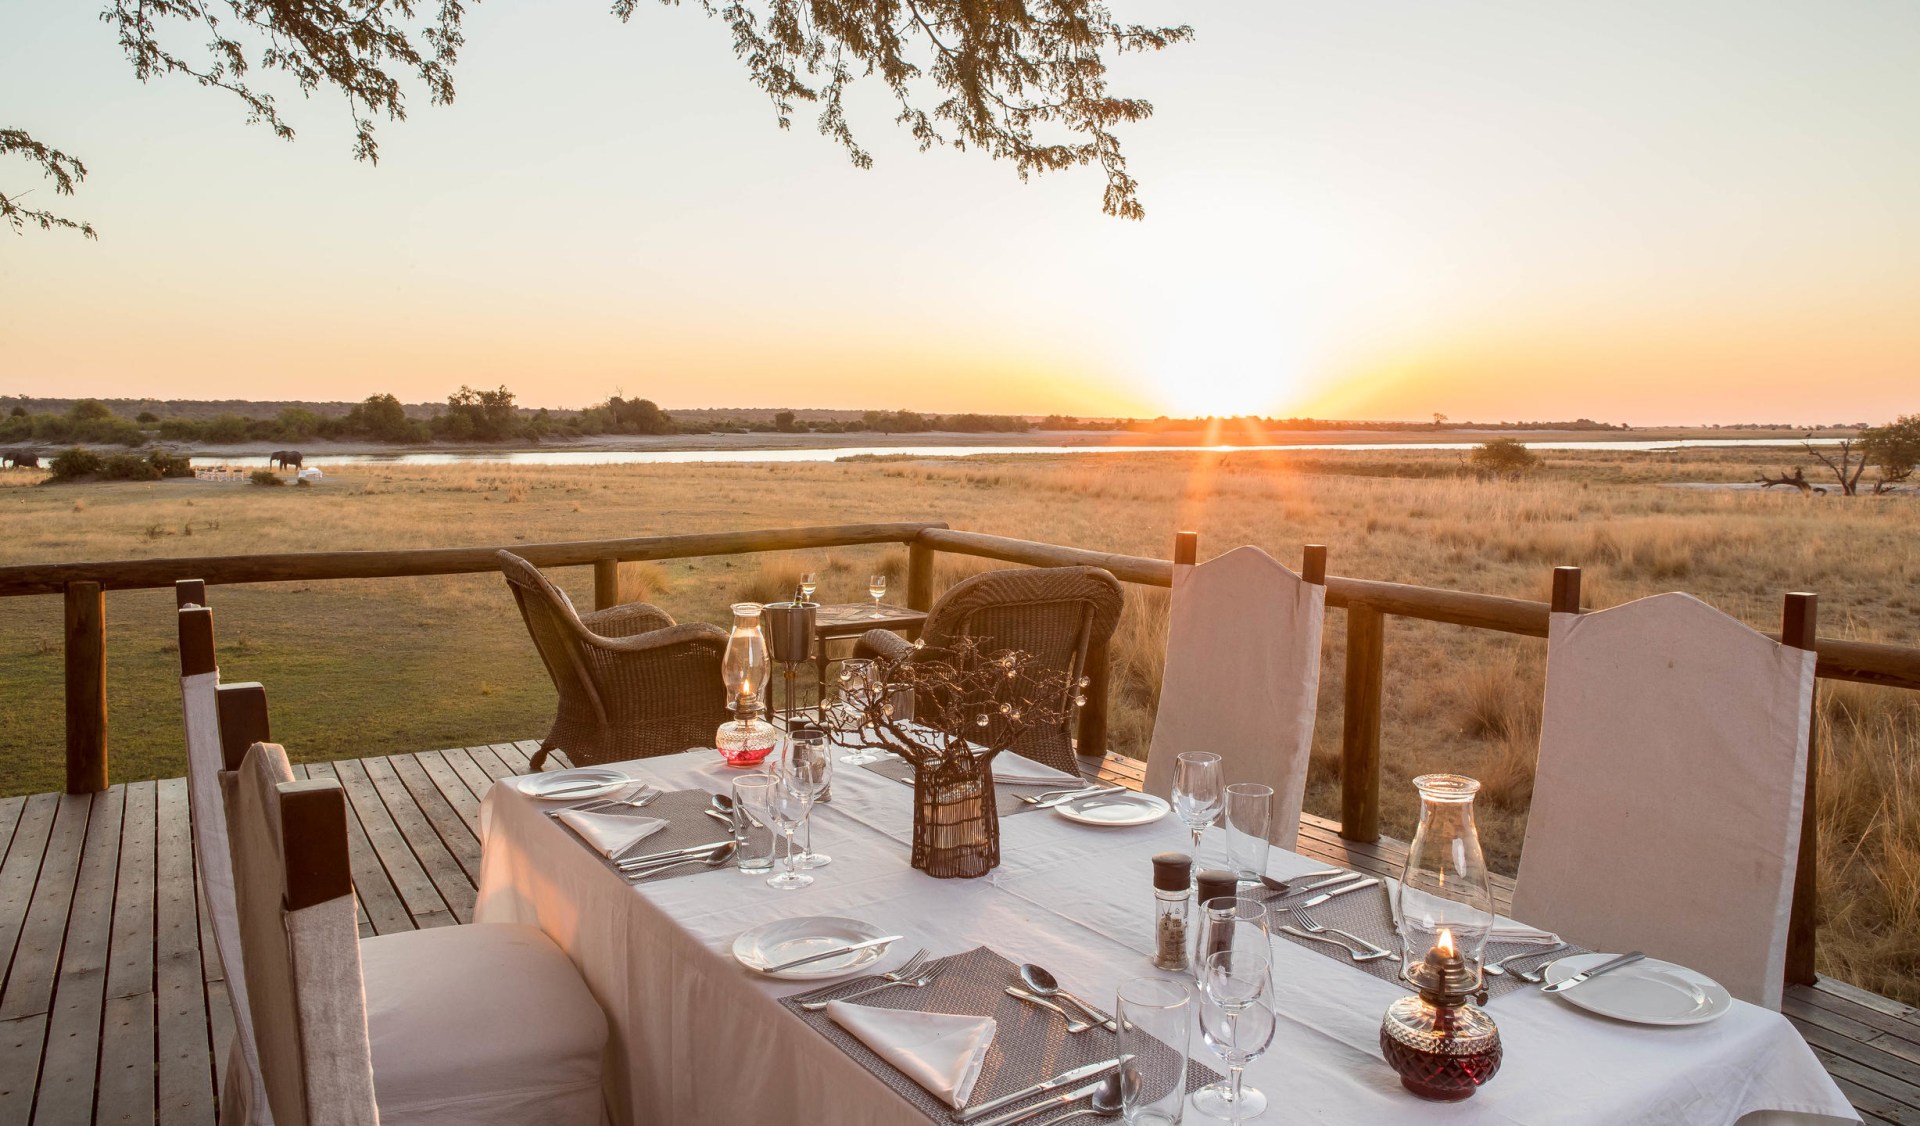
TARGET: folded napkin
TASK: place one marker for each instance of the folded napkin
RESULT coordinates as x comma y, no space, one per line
610,834
1012,768
940,1052
1500,932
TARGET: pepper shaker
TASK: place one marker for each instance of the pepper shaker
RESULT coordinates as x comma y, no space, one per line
1172,874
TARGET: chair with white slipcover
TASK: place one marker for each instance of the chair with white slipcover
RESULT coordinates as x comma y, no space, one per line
1242,673
471,1025
1671,784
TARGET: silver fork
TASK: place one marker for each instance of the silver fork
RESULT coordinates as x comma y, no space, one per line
632,797
1306,923
1500,967
913,975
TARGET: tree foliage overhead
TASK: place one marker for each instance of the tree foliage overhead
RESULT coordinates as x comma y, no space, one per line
1021,80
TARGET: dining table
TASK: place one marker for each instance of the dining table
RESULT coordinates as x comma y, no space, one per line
698,1038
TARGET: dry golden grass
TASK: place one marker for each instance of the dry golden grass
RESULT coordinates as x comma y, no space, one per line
405,664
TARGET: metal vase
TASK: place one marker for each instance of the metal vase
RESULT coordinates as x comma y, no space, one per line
789,630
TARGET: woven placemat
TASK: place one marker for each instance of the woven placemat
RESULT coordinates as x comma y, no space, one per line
1029,1043
687,826
1005,798
1367,914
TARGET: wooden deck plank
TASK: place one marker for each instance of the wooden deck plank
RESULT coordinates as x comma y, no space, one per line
410,879
36,957
458,827
418,828
184,1057
463,763
445,779
127,1065
69,1071
21,871
21,1040
371,885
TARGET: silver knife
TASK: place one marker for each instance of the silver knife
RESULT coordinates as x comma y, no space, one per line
652,857
565,788
1085,1071
1586,975
1064,1098
1342,890
1076,796
1326,883
834,953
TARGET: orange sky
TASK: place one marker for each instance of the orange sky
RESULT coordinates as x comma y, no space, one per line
1632,212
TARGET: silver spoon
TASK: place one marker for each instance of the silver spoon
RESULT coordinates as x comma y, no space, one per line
1044,984
721,854
1106,1103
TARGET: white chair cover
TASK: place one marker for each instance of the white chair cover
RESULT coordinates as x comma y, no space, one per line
1667,803
243,1100
1242,677
303,967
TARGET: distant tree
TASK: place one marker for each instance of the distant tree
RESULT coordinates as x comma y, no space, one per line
639,416
486,416
1895,448
783,422
297,424
227,429
146,418
1503,457
17,412
1019,80
380,417
1439,420
89,410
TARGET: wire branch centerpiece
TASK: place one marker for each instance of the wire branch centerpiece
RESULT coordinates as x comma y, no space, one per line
950,712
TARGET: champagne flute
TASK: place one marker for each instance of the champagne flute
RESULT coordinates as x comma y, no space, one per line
809,760
1197,793
1237,1021
877,587
809,582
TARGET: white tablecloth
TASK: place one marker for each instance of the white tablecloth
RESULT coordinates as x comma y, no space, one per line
698,1039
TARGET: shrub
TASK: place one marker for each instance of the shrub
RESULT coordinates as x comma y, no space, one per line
171,464
76,462
128,467
1502,457
266,477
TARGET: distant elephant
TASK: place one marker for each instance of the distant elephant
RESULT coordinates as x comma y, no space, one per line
286,459
20,459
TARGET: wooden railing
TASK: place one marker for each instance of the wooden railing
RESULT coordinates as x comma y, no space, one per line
1368,604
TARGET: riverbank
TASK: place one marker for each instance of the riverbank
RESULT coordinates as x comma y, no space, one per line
1049,440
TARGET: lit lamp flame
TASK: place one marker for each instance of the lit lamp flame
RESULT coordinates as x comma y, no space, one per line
1444,947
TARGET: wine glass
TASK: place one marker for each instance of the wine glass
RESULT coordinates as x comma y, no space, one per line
808,760
877,588
809,582
1235,925
1197,793
1237,1021
782,807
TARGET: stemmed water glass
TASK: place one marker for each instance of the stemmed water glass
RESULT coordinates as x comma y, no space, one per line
782,807
809,582
1197,793
808,761
877,588
1232,925
1237,1021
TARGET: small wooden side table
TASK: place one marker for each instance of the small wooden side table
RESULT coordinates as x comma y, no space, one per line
851,620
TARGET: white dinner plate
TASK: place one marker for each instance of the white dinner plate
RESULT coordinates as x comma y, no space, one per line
571,784
783,940
1114,809
1647,992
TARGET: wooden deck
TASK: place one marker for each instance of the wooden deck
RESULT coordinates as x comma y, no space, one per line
113,1005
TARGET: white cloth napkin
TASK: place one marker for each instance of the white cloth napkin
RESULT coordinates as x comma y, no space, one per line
940,1052
1500,932
1008,767
610,834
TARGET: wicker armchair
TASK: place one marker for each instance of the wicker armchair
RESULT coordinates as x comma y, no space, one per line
632,684
1054,613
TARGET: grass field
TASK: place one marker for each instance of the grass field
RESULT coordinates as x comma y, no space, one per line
402,665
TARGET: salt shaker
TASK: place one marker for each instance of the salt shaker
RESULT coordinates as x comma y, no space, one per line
1172,872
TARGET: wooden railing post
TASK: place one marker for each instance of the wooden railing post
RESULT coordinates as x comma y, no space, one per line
1360,724
86,688
189,592
919,576
1566,591
1799,625
1313,564
1186,548
606,584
